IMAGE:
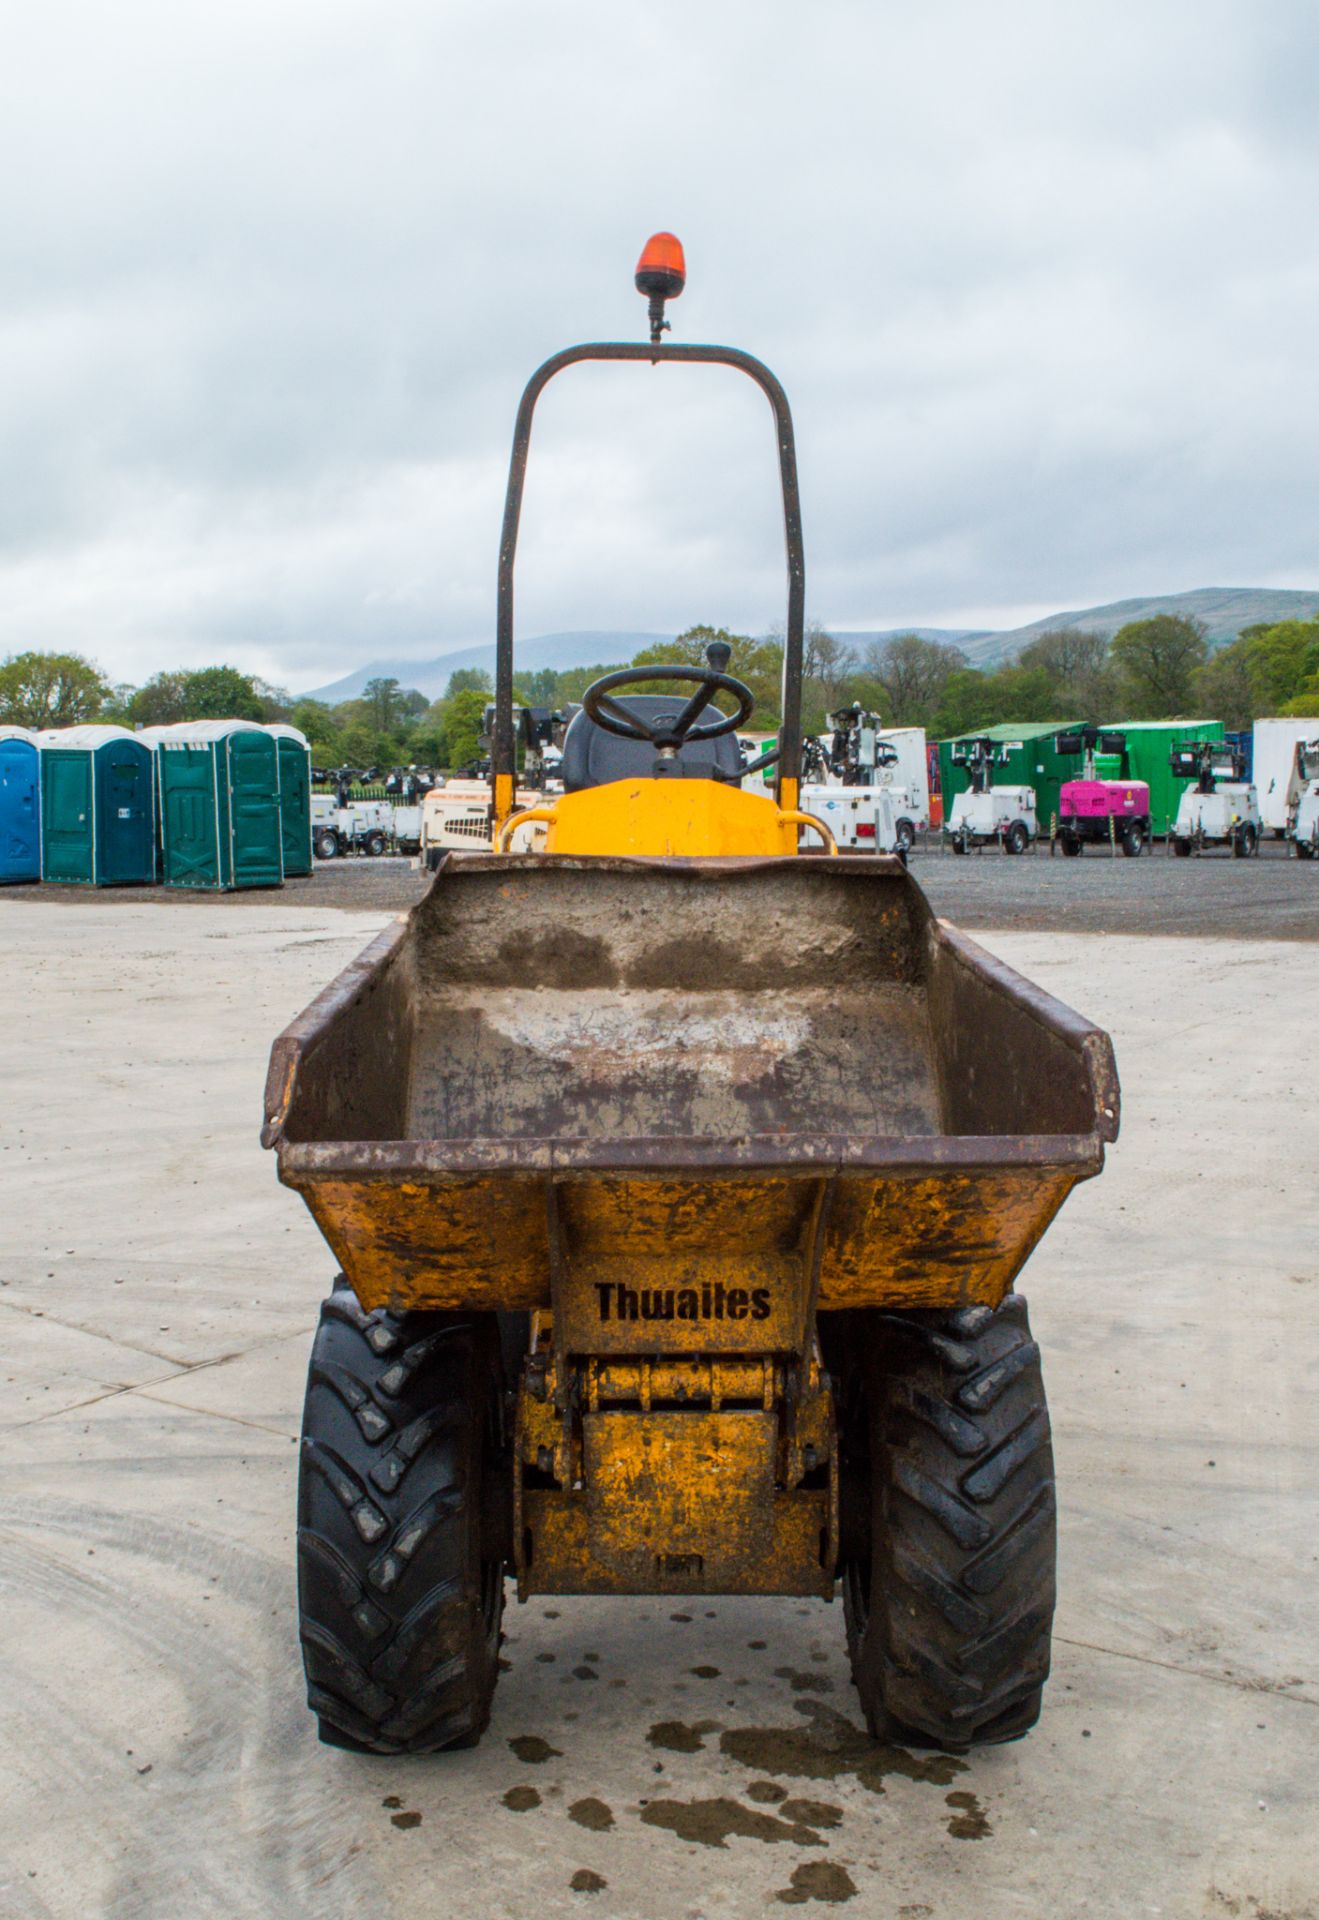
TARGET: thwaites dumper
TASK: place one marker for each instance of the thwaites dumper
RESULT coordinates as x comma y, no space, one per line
678,1182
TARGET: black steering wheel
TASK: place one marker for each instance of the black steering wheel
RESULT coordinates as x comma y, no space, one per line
667,731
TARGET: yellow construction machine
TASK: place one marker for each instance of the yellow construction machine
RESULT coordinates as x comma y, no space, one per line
678,1182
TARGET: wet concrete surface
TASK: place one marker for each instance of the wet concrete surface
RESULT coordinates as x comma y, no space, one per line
157,1296
1210,896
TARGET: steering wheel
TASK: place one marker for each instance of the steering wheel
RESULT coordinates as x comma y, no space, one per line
667,731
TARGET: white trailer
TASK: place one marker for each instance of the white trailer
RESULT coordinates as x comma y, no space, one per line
861,819
1273,762
908,779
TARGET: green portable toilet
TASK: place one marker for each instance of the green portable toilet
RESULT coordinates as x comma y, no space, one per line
1149,743
218,782
1030,760
98,814
294,754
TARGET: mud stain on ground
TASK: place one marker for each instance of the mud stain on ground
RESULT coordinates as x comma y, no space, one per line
392,1800
969,1821
804,1682
812,1813
592,1814
530,1748
830,1747
817,1880
584,1881
711,1822
676,1736
706,1673
405,1820
521,1799
767,1792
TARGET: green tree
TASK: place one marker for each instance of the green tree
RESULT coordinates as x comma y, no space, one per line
382,701
469,680
912,674
1084,685
1156,661
51,690
159,702
1225,688
321,726
758,662
462,720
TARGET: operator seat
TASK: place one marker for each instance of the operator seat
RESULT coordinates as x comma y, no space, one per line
592,757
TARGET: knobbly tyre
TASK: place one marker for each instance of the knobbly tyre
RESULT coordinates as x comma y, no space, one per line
678,1183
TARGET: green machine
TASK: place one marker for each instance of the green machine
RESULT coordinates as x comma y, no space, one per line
1030,759
294,753
98,816
220,822
1149,744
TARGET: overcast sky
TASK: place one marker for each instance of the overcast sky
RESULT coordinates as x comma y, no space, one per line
1041,281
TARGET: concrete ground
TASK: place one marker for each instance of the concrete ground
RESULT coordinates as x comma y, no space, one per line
647,1759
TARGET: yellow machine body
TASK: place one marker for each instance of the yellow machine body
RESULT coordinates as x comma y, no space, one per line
667,819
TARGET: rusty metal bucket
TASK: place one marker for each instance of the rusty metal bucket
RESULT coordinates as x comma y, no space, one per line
710,1096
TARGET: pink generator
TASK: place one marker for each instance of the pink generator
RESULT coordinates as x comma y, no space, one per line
1108,812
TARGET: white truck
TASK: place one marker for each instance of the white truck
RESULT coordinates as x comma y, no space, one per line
1273,765
984,813
1303,799
1222,808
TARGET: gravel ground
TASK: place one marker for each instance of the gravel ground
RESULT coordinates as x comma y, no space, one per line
648,1760
1273,897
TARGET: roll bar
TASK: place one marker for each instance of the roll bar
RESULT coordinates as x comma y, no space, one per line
503,758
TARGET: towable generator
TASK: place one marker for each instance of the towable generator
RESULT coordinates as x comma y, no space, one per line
678,1182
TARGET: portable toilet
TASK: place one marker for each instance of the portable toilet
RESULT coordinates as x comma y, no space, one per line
294,753
20,806
98,815
218,782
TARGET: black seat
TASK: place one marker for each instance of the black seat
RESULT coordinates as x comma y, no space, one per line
592,757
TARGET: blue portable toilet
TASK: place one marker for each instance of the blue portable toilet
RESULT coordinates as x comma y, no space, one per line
98,807
20,806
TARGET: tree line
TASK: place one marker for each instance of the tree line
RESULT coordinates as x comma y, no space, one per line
1160,668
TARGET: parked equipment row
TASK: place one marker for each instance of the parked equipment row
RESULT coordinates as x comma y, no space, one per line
214,804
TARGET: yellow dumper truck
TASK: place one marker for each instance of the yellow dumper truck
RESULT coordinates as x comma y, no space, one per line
678,1182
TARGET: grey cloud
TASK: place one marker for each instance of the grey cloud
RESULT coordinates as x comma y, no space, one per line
1040,281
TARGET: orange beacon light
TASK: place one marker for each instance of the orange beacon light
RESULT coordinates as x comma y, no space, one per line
661,275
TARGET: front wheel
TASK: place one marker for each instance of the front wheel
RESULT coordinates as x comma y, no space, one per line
374,845
905,835
1304,851
326,844
1070,847
1132,842
949,1522
1244,842
1182,848
959,846
400,1527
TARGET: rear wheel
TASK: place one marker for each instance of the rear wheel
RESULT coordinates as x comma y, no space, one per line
1017,838
949,1525
1304,851
326,844
1133,840
905,834
1244,842
402,1497
959,845
1070,847
1182,848
374,845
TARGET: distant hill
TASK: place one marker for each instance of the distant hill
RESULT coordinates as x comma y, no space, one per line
558,650
1224,610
